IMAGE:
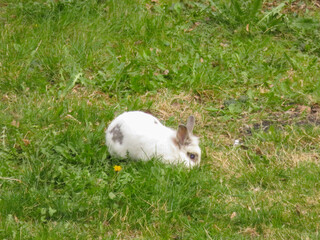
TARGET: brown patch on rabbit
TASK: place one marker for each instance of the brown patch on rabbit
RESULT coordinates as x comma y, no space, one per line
117,135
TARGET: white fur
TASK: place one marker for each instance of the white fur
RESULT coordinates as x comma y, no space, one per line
144,137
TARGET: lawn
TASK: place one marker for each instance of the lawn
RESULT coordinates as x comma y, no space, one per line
247,70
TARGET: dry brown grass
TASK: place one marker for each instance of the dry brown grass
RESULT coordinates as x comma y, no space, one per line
167,104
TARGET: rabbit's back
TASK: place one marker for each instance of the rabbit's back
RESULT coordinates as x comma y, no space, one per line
138,135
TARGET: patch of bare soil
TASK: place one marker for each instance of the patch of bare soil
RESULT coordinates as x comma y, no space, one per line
297,6
303,116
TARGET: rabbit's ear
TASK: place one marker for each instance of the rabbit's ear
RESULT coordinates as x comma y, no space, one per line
182,134
190,123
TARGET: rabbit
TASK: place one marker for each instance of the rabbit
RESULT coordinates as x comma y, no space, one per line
141,136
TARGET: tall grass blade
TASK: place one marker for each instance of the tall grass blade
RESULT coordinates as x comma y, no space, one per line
256,6
237,7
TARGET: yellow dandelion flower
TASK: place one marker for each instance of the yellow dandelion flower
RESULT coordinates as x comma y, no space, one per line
117,168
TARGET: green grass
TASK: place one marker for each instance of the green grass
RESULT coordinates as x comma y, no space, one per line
247,70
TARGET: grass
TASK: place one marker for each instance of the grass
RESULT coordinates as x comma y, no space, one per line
247,70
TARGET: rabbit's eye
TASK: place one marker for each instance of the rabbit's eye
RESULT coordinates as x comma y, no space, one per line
192,156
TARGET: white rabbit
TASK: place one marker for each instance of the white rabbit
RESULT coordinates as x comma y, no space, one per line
141,136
